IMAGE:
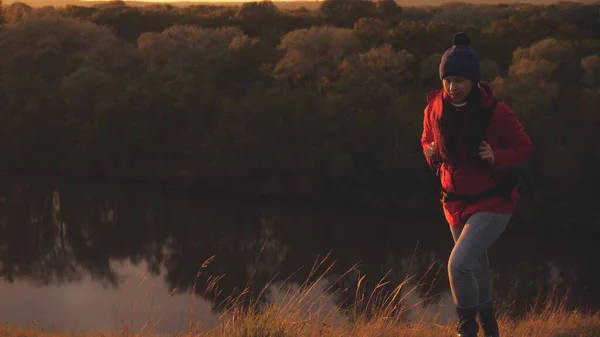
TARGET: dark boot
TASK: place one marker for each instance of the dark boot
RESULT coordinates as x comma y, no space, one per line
488,320
467,323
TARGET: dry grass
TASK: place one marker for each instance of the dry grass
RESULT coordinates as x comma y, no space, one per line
307,311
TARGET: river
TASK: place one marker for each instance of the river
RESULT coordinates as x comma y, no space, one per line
80,255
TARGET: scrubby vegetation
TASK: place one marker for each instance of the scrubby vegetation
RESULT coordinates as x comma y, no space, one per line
322,105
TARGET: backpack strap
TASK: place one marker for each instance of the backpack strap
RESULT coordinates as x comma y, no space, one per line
515,176
489,113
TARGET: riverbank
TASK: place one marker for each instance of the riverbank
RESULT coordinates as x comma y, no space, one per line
325,304
306,310
552,323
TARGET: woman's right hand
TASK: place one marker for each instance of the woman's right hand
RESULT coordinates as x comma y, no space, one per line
431,150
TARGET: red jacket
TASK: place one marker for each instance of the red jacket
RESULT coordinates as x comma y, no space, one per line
511,147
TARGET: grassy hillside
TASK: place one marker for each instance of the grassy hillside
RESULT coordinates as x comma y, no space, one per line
286,322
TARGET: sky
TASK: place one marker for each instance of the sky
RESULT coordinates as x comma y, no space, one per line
220,1
201,1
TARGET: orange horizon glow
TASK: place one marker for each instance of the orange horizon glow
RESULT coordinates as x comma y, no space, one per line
218,1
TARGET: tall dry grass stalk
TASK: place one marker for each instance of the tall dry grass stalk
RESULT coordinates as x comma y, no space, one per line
309,310
379,312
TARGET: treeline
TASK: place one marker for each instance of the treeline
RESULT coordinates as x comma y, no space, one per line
321,105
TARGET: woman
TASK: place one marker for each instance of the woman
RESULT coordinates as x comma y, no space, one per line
473,141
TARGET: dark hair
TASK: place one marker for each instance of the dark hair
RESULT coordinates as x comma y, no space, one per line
447,129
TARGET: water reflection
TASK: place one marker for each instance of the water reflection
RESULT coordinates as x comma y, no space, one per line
139,302
78,243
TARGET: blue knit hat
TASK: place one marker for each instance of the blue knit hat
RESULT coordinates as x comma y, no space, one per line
461,60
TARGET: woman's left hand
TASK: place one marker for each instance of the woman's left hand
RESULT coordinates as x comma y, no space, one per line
486,153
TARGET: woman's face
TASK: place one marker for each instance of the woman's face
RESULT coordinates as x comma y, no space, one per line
457,88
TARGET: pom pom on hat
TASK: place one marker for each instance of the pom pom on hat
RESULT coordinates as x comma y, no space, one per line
461,39
460,60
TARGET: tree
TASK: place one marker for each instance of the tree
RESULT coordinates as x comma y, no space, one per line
591,70
51,69
372,31
17,11
344,13
313,55
255,17
389,12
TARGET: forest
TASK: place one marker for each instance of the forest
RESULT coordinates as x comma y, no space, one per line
321,105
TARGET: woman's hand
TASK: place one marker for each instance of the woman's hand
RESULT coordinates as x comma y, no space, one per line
486,153
431,150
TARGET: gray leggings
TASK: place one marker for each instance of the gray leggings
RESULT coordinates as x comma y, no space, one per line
468,266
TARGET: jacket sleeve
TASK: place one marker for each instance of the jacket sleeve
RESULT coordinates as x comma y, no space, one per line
516,145
427,138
